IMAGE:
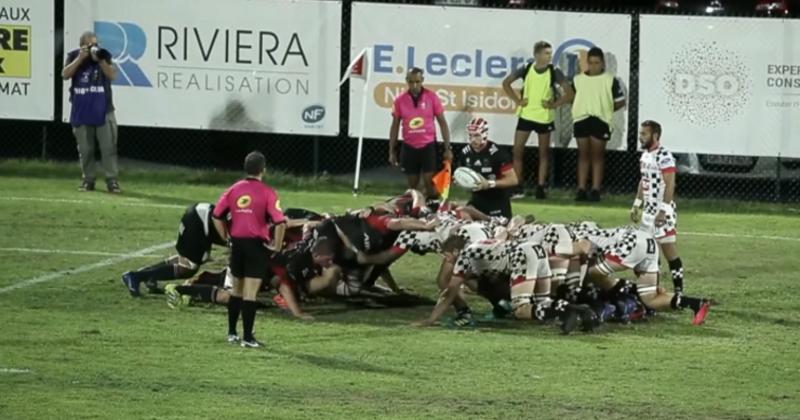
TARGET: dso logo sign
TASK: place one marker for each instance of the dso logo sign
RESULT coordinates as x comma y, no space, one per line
706,84
126,42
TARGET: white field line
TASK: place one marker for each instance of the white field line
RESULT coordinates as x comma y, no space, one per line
14,370
742,236
121,202
68,251
84,268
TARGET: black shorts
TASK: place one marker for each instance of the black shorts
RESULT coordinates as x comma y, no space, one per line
492,206
592,127
193,243
539,128
413,161
249,257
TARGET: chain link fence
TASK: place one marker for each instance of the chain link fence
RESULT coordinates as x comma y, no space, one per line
701,176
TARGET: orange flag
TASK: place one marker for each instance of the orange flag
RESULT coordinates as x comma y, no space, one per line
442,181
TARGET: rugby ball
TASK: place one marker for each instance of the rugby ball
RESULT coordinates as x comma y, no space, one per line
467,178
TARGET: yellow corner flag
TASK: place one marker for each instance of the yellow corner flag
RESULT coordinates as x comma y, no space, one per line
442,181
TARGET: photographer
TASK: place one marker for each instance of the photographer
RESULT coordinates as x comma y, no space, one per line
92,114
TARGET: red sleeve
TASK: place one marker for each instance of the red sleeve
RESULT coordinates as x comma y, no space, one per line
506,167
274,207
222,207
379,223
669,170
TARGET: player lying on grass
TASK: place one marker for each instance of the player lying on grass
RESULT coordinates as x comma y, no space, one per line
196,235
622,249
523,267
304,269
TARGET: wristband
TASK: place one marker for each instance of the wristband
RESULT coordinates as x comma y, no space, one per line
492,183
637,203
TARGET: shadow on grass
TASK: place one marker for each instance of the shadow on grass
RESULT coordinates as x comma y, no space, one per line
759,318
340,363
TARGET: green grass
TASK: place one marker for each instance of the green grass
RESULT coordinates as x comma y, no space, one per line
79,347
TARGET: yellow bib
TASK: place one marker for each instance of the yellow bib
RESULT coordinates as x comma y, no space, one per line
537,88
593,97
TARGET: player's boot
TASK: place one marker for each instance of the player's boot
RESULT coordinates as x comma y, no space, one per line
131,284
701,312
569,319
251,344
233,339
464,318
174,299
589,319
501,309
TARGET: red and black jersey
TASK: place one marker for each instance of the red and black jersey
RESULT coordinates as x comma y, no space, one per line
295,266
490,162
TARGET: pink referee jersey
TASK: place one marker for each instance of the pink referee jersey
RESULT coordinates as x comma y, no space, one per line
417,117
253,207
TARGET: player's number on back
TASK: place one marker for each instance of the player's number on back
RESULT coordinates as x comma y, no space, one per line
539,252
651,246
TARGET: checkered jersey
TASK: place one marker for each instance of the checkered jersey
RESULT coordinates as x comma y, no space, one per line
602,239
533,232
555,238
511,259
420,242
487,257
474,232
634,249
653,164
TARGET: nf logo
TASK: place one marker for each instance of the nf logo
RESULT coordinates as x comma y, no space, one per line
707,84
126,42
314,114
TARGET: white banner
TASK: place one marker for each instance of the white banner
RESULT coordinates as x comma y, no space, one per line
726,86
26,59
247,65
466,53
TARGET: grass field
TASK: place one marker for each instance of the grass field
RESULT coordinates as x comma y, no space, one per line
75,345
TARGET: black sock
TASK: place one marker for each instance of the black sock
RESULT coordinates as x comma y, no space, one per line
160,271
676,269
198,292
248,319
679,301
234,308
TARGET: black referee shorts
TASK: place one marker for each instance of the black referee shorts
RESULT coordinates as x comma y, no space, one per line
413,161
249,257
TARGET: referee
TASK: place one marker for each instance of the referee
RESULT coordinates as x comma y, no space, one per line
415,109
597,96
252,207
